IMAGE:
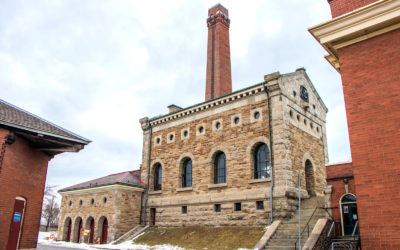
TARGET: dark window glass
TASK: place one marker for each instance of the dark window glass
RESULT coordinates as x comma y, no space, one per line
304,93
157,177
70,203
217,207
105,200
237,120
349,198
294,93
220,168
80,203
92,201
185,133
158,140
201,129
260,205
184,209
218,125
261,162
238,206
187,173
171,137
257,115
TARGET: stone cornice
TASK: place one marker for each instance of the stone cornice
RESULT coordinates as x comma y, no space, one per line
369,21
232,97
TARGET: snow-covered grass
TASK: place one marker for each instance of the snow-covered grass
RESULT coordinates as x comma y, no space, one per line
44,239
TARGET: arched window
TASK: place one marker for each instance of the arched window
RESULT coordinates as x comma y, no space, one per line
310,182
220,168
157,177
261,162
187,173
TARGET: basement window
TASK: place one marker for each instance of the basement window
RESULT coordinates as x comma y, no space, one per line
238,206
260,205
184,209
217,208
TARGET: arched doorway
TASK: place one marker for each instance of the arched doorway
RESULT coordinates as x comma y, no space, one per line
90,225
103,229
348,209
77,230
310,182
67,229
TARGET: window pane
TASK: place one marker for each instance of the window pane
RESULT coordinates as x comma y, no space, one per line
187,173
220,169
261,162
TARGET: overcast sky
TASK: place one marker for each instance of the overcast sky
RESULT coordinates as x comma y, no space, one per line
96,67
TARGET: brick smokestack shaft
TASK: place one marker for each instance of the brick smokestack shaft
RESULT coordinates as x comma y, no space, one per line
218,79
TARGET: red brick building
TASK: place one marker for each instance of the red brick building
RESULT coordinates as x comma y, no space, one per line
363,42
27,144
343,202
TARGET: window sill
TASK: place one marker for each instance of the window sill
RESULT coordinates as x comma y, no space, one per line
219,185
184,189
263,180
155,192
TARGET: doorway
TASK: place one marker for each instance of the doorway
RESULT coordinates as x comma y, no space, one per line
16,223
152,216
104,232
91,233
348,206
67,229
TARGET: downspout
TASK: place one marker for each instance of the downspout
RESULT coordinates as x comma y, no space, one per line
148,177
270,152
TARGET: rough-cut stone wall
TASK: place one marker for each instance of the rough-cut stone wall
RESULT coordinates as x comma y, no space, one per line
306,147
170,147
122,210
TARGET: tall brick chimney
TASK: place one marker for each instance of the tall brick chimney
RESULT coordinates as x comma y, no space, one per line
218,79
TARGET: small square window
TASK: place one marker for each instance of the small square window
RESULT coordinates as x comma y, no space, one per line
238,206
260,205
217,207
184,209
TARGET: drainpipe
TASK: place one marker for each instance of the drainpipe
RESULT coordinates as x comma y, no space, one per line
270,151
148,177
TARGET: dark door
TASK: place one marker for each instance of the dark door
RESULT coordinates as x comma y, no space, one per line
91,236
16,224
69,230
350,218
104,232
79,231
152,216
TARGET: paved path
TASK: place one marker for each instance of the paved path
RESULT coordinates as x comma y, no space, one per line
47,247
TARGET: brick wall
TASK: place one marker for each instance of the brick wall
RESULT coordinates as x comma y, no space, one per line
340,7
370,73
23,173
335,175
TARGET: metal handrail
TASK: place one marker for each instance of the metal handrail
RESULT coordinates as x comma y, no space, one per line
306,226
355,227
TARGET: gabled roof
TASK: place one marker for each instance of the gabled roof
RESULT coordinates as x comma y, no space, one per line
128,178
40,133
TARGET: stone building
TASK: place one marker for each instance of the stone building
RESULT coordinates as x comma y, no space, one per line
27,144
234,159
106,207
363,44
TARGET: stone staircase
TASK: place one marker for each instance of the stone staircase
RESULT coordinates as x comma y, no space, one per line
131,234
288,231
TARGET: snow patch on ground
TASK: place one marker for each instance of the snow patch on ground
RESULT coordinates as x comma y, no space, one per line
128,245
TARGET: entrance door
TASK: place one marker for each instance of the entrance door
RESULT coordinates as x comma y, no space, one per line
69,230
16,224
349,214
152,216
91,231
79,231
104,233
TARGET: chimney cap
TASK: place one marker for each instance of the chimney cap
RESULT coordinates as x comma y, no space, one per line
216,8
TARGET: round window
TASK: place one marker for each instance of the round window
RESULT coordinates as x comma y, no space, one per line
237,120
185,133
257,115
201,129
171,137
218,125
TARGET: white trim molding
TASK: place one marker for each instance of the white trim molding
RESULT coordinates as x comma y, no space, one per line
361,24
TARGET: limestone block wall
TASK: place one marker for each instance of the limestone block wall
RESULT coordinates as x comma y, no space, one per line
119,205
